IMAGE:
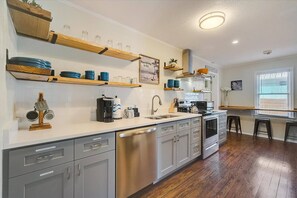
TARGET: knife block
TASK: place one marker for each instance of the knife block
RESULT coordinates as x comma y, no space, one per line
41,125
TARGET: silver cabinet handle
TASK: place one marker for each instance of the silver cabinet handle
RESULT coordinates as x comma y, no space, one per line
46,173
98,138
45,149
132,133
79,169
211,146
44,158
68,173
168,128
95,146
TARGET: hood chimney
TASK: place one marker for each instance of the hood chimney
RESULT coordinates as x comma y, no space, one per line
187,61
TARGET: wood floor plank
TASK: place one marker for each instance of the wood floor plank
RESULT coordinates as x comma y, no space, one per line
243,167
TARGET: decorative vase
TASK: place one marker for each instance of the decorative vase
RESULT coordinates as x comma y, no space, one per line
226,100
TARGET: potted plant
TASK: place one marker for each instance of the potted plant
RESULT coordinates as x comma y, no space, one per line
29,18
173,62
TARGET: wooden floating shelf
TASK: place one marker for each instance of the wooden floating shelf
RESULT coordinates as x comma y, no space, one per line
172,68
27,69
251,108
69,41
173,89
121,84
202,76
80,81
28,73
77,81
63,80
202,91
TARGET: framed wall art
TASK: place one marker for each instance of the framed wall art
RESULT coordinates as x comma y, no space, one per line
236,85
149,70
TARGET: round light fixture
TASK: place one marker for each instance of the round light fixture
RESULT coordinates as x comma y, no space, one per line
212,20
235,42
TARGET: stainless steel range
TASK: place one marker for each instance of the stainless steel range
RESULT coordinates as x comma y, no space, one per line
210,136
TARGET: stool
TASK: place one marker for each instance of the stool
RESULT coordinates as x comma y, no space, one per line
267,122
236,120
288,125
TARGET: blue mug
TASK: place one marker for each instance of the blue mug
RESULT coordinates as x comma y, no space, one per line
104,76
176,83
90,74
170,83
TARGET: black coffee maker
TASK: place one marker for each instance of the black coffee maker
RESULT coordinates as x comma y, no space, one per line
104,109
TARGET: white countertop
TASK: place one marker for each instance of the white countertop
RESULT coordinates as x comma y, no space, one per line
20,138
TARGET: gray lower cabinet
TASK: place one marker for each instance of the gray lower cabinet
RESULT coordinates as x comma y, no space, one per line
166,154
52,182
222,127
174,148
183,147
80,168
95,176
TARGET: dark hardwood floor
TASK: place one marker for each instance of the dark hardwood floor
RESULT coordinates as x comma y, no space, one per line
243,167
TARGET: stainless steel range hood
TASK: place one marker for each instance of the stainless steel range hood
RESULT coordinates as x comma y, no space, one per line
188,70
187,62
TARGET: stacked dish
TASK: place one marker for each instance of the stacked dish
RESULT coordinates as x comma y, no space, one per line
70,74
32,62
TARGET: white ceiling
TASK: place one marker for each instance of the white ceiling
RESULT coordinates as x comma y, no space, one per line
257,24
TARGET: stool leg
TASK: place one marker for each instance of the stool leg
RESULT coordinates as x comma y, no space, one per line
255,128
240,126
236,125
268,128
230,124
287,132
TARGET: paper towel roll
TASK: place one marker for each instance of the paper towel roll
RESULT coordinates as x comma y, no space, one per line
117,109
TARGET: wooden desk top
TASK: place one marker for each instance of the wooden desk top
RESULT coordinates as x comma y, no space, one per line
252,108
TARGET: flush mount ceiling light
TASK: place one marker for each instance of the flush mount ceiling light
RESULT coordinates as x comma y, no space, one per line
212,20
235,42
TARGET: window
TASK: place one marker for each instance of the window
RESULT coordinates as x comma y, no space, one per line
274,91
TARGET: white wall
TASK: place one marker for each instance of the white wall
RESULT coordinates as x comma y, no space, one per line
75,103
246,73
7,83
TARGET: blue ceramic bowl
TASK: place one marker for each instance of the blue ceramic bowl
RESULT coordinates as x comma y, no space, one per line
170,83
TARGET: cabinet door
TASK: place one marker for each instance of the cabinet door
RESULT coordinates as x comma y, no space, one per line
95,176
54,182
166,154
183,147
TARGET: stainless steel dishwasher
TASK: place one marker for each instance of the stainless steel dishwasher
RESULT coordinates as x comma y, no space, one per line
136,160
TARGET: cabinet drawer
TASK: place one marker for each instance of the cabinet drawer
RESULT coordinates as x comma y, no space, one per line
166,128
183,124
196,135
38,157
93,145
195,150
195,122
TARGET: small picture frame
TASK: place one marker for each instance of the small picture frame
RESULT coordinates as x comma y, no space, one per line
149,70
236,85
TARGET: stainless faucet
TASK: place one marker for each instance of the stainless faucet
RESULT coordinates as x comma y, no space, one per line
160,103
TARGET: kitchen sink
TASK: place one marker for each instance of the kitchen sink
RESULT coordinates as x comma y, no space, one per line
159,117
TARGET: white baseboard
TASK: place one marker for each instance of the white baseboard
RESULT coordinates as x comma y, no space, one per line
265,136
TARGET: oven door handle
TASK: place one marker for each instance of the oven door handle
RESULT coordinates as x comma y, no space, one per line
211,146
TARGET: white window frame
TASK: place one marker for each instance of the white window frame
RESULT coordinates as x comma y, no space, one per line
291,88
